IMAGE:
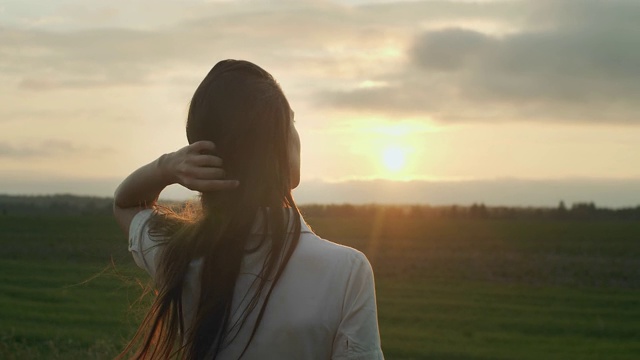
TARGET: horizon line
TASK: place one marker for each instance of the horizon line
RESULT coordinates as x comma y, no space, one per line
421,204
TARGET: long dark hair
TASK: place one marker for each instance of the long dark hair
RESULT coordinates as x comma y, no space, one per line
241,108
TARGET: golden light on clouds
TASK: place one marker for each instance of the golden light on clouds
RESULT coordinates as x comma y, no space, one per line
392,90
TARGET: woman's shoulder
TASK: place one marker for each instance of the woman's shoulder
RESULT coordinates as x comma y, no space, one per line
324,246
144,245
313,249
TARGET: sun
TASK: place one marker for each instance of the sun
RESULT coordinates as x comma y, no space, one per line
394,158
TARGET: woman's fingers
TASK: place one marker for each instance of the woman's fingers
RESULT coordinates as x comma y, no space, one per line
199,147
207,160
201,171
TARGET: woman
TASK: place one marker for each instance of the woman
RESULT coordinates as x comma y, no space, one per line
245,277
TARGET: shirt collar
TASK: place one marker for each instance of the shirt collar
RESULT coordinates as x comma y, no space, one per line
258,227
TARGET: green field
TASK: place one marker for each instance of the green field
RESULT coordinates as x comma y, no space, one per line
447,288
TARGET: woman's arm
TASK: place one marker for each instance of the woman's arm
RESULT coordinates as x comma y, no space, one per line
191,167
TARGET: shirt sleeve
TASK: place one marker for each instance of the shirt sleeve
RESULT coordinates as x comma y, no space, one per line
358,337
144,248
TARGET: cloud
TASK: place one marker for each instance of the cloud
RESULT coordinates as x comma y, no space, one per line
578,63
494,192
312,38
45,149
450,61
449,50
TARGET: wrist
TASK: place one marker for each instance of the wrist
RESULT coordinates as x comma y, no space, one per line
165,167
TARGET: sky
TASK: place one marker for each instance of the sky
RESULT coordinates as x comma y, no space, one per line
521,103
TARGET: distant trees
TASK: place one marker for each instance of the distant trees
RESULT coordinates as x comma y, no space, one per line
84,205
54,205
478,211
562,209
578,211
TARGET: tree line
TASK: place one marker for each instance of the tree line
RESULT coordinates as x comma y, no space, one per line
66,205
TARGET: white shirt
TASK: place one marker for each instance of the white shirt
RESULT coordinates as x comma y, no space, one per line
322,307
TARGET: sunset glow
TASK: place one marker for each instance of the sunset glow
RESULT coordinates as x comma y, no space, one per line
391,90
394,158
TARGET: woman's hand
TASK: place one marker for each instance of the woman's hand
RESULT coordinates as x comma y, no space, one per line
195,168
192,167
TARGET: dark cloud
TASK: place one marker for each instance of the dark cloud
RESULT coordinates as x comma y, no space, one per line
579,64
449,50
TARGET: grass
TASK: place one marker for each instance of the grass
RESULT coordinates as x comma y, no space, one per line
462,320
447,289
55,310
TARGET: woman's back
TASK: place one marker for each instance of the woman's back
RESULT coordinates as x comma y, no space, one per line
322,307
296,296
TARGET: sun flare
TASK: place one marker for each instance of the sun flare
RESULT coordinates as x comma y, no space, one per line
394,158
